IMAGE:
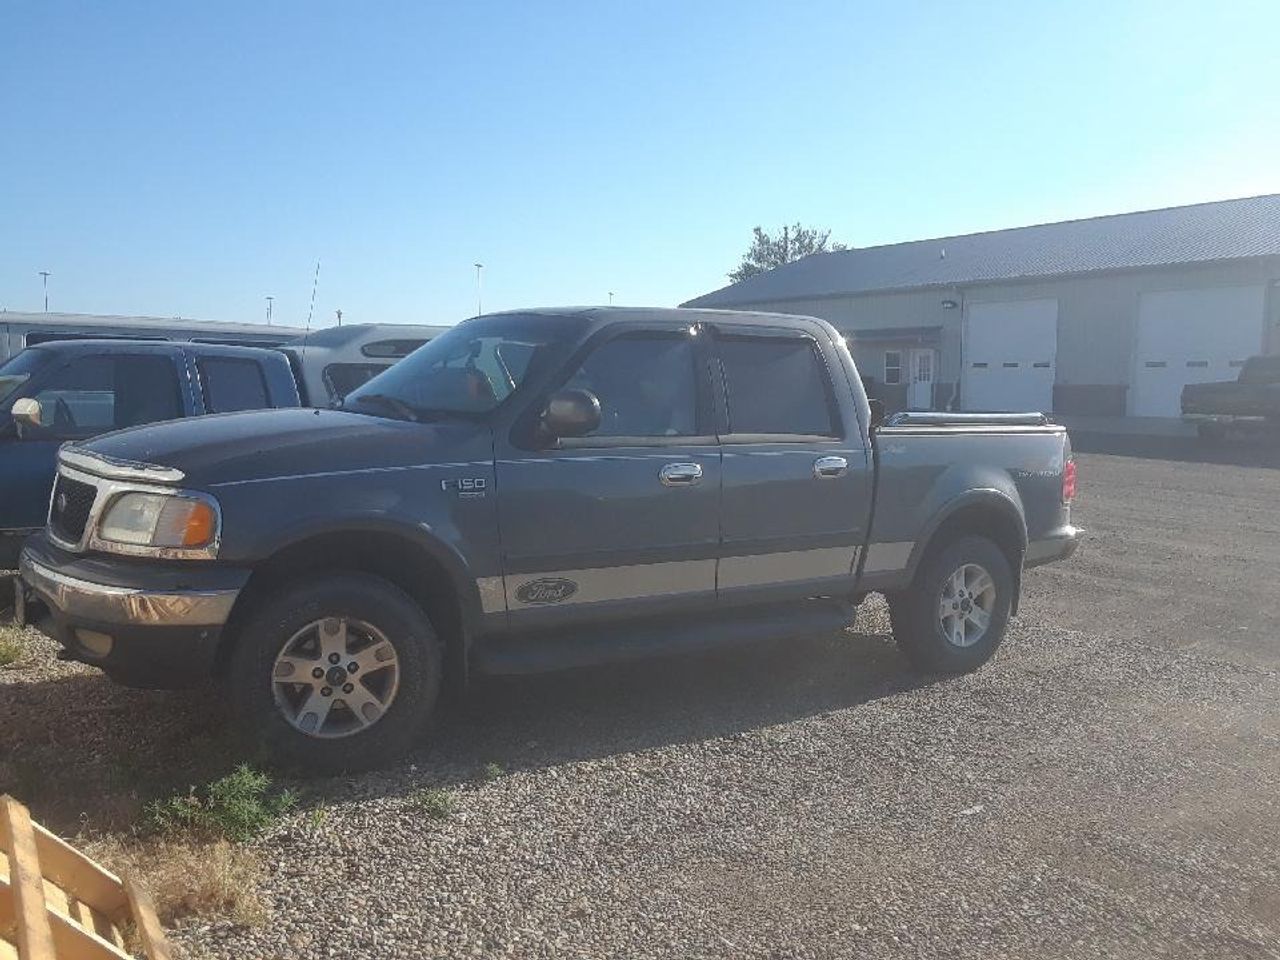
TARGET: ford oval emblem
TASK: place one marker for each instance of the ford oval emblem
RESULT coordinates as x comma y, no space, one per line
546,590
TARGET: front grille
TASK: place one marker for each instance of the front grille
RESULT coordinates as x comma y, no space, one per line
72,501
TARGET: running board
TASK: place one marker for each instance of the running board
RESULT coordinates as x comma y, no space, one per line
596,644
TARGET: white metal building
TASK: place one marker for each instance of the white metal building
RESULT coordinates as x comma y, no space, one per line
1105,316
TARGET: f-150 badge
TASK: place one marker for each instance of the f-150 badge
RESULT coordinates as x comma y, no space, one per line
465,487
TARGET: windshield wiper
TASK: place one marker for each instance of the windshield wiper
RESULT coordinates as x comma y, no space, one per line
405,411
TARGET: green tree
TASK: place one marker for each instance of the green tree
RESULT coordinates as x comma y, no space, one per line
791,243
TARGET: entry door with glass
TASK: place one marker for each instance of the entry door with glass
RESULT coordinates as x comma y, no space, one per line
920,389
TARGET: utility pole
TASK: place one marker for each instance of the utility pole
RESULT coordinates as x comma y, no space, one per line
44,274
270,304
339,313
479,289
610,298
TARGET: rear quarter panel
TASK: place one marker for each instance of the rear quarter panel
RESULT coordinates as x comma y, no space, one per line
927,474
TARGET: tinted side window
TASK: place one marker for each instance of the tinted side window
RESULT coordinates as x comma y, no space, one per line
94,394
232,384
342,378
646,385
776,386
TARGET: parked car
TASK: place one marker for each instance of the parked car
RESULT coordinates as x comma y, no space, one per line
66,390
330,363
1251,400
530,491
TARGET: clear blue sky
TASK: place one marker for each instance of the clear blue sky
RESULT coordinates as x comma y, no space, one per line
192,158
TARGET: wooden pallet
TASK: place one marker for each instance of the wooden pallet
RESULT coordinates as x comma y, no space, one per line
57,904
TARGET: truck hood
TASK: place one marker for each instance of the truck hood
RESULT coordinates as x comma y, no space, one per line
262,444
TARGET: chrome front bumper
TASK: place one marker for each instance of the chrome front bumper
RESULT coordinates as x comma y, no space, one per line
83,600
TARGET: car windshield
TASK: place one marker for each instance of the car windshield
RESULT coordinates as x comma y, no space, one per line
18,369
1261,370
468,370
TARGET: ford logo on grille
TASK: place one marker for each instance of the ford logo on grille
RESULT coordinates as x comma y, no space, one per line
546,590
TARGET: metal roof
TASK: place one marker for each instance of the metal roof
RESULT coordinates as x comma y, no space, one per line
1202,232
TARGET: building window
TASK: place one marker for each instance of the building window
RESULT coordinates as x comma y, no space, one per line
893,366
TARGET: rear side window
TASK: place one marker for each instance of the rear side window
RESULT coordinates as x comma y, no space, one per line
232,383
776,386
94,394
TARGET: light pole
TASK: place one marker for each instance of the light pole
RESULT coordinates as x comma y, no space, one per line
339,313
270,304
479,289
610,298
44,274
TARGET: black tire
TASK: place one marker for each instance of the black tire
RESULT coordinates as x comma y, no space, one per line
354,596
914,613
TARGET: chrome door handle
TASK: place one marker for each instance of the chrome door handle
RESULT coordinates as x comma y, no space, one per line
825,467
680,474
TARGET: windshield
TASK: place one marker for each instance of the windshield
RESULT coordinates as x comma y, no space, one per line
18,369
469,370
1261,370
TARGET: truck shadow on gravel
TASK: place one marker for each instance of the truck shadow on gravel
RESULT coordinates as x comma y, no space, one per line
534,722
87,754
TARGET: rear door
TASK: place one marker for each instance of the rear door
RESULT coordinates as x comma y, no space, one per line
797,478
625,521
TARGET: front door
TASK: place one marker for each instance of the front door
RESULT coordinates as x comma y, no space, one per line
920,390
625,521
797,475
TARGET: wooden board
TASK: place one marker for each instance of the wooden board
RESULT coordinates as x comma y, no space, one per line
58,904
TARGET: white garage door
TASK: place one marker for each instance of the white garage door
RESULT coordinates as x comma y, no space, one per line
1010,349
1192,336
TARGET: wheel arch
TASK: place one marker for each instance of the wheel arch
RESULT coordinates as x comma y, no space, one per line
988,513
420,564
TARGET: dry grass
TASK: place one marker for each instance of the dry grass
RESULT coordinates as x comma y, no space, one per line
189,878
12,648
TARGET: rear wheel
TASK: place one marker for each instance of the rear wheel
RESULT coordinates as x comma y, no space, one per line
341,673
954,615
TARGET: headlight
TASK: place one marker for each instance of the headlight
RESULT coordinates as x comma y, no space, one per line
159,520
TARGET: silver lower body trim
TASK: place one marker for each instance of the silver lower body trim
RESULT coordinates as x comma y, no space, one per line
766,569
888,557
633,582
1061,545
101,603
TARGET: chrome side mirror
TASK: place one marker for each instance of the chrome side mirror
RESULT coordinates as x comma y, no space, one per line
27,413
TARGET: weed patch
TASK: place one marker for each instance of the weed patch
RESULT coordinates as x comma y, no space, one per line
437,804
238,806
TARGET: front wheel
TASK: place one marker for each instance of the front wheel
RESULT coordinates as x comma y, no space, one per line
954,615
340,673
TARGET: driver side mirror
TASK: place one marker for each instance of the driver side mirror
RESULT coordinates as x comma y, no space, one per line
877,413
571,413
26,413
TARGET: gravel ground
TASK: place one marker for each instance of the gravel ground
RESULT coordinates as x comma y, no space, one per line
1107,786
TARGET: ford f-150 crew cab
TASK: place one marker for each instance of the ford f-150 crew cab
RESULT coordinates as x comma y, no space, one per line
533,490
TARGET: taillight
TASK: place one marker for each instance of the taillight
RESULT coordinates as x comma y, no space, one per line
1069,481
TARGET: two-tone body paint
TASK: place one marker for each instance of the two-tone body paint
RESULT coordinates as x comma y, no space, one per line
590,530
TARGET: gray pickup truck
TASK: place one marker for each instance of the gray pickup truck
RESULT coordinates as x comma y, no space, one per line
529,491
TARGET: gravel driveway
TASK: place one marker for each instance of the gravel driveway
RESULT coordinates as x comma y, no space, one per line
1108,786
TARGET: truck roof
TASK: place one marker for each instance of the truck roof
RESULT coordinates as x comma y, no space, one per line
113,345
676,314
